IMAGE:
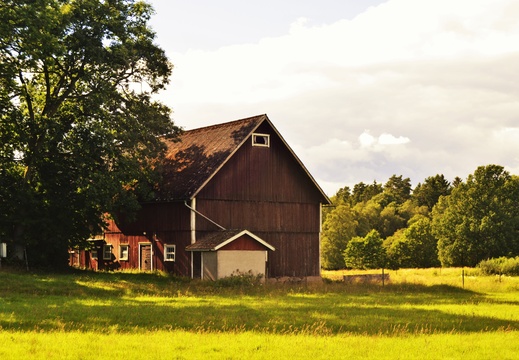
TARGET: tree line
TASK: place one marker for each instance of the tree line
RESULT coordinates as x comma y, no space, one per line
438,223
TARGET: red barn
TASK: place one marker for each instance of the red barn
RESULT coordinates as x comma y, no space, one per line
235,188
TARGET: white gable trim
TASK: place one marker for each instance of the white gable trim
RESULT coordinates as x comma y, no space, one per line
245,232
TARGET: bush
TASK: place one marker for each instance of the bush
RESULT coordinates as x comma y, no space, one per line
500,266
366,252
240,279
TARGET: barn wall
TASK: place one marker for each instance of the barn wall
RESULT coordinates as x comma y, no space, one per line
266,191
155,224
263,174
259,216
293,230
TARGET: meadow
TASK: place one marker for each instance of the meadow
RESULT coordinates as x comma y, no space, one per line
418,314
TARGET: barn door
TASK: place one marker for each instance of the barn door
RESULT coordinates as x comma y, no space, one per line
145,257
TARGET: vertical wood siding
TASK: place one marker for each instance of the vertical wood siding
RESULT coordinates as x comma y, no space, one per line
266,191
156,224
262,174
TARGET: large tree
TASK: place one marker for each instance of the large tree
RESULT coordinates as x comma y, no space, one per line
79,129
479,219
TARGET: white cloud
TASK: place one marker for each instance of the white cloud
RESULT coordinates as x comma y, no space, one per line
388,139
366,139
435,81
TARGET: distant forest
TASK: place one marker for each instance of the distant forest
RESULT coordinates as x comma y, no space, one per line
438,223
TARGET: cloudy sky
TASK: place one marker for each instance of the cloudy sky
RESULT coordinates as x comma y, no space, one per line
360,89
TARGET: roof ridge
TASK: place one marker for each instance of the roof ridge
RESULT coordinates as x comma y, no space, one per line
207,127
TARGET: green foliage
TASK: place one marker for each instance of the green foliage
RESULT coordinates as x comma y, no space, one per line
362,192
414,247
384,210
390,220
479,220
500,266
396,254
338,228
79,129
469,221
368,217
428,193
398,189
366,252
240,280
343,196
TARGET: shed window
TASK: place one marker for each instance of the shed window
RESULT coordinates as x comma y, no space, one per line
93,253
261,140
107,252
123,252
169,252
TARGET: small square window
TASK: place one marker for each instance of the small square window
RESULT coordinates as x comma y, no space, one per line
124,251
93,253
169,252
107,252
261,140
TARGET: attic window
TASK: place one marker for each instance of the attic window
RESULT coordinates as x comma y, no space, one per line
261,140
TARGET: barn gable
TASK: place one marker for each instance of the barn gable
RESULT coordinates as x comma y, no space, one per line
191,163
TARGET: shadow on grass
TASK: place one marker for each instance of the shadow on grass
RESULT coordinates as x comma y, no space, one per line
145,302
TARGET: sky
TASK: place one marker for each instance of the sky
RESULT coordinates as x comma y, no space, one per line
360,89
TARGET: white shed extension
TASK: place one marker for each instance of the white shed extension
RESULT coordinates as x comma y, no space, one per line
230,252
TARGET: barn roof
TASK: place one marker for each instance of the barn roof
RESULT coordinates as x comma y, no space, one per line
219,239
192,162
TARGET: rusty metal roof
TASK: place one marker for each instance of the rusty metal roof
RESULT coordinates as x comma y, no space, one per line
199,154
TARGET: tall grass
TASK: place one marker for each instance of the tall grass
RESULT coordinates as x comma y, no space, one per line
134,316
159,345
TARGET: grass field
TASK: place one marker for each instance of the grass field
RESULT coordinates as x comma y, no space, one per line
419,314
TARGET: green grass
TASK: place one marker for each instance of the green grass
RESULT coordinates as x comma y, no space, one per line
420,314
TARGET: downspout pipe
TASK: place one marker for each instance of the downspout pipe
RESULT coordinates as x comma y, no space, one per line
202,215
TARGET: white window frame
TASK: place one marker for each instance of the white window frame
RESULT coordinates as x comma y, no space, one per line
107,252
265,140
168,254
3,250
94,253
121,256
